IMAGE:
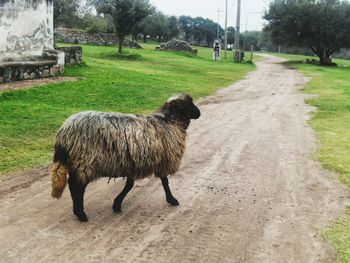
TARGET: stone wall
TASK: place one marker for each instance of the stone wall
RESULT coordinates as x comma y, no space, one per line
73,55
26,28
16,71
74,36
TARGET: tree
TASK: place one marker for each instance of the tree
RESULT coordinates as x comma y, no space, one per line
156,25
94,24
210,31
231,32
65,12
186,27
323,26
251,38
173,27
126,15
198,30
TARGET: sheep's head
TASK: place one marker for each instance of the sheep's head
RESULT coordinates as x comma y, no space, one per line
181,108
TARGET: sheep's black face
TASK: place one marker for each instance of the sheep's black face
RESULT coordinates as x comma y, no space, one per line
181,108
193,112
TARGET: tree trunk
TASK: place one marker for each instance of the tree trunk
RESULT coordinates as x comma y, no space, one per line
159,38
144,38
324,55
324,60
120,44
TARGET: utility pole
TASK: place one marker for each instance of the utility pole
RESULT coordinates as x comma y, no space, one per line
218,30
237,40
226,29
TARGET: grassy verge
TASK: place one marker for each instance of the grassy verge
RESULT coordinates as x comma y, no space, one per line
332,123
139,82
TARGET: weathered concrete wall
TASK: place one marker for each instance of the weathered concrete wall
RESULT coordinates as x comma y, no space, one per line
26,28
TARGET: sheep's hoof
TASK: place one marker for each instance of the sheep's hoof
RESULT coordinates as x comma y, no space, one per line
82,217
117,208
173,201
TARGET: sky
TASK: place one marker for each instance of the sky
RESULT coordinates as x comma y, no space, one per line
251,17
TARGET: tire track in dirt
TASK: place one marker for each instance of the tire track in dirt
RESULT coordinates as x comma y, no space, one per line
249,191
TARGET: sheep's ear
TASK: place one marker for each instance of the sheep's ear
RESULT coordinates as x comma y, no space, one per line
180,107
181,97
173,98
174,109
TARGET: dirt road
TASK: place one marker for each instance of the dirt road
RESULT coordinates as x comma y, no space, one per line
249,191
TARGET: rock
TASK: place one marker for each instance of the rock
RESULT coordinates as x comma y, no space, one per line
54,71
73,55
178,45
26,75
46,73
132,44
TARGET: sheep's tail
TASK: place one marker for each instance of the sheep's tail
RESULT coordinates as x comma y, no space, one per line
59,173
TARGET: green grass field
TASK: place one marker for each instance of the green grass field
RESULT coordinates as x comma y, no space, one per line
332,124
134,83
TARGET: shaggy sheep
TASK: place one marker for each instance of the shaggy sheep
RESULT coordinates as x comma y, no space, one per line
90,145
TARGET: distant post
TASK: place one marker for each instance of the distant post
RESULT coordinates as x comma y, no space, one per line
251,53
226,30
238,57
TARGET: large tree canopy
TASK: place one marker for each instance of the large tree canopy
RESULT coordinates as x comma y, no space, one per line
198,30
251,38
323,25
155,25
125,14
66,12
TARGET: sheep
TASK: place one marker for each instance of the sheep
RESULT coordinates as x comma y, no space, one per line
90,145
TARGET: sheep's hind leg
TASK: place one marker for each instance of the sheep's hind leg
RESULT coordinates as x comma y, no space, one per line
169,196
117,205
77,191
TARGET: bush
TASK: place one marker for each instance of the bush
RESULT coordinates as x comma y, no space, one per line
94,24
343,54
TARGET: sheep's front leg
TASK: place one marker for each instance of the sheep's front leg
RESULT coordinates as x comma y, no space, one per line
117,205
77,191
169,196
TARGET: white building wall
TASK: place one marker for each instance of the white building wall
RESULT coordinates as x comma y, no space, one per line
26,28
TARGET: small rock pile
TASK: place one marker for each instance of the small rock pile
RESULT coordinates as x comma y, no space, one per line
178,45
132,44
